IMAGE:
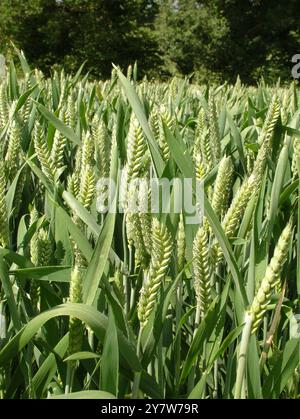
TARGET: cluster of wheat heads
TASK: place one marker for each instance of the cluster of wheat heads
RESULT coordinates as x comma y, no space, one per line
110,303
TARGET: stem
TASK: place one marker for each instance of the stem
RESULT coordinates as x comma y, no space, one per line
178,342
270,334
128,282
191,378
216,367
137,375
69,379
160,364
240,375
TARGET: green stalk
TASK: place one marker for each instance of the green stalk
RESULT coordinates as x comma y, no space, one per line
191,377
137,375
178,342
298,234
69,378
241,366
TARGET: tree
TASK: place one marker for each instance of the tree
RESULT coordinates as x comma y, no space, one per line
68,32
192,37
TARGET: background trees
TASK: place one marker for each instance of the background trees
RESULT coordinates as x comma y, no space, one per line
213,39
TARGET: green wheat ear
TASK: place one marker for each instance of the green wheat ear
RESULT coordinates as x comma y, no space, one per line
214,131
75,325
42,151
41,251
71,112
3,105
102,146
136,149
167,119
272,277
87,187
222,186
59,143
201,266
162,246
13,149
144,201
181,244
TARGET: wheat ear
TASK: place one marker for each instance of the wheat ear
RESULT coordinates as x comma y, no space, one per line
272,277
161,255
202,283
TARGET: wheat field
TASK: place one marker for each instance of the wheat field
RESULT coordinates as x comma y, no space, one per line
105,301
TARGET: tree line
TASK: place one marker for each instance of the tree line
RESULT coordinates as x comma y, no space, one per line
211,40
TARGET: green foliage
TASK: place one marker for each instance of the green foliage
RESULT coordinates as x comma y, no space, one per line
118,303
215,40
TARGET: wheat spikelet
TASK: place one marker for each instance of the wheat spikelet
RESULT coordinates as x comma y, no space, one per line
180,244
41,250
236,210
135,237
74,184
75,325
3,105
129,72
42,151
207,152
296,157
222,186
144,199
214,133
250,159
200,170
87,152
270,121
167,119
271,278
57,151
160,259
13,149
78,156
102,149
201,267
154,122
25,112
118,286
19,191
71,112
87,187
199,132
136,149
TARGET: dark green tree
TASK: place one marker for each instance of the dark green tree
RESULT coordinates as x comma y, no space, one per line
192,38
68,32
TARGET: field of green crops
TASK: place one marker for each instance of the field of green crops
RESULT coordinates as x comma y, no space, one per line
104,302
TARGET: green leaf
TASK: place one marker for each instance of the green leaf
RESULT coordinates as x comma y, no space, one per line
282,370
9,295
277,186
180,153
253,370
89,315
45,273
110,358
87,394
227,251
82,213
141,117
58,124
78,356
